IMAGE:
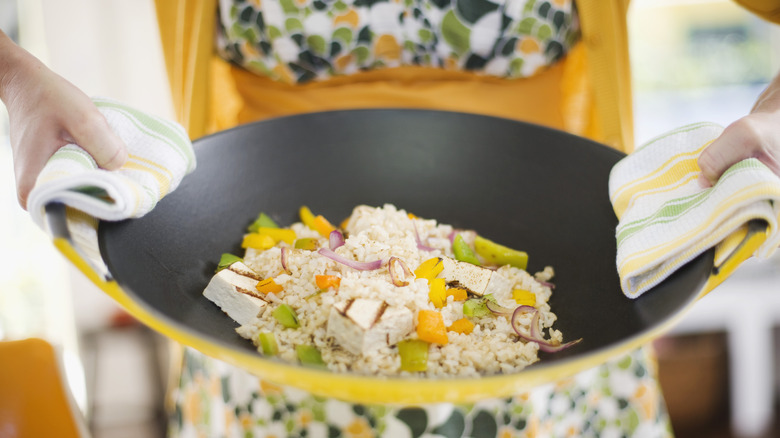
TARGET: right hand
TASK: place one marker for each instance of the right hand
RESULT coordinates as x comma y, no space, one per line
47,112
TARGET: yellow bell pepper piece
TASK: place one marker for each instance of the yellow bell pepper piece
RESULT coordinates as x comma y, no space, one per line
523,297
429,269
307,217
436,292
284,234
257,241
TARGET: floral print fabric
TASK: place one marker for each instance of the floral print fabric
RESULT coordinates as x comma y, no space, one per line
618,399
297,41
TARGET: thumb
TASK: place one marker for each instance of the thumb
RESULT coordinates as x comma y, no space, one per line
96,137
733,145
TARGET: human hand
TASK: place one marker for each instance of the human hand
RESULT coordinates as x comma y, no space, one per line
756,135
47,112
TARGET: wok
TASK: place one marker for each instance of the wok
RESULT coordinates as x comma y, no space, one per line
525,186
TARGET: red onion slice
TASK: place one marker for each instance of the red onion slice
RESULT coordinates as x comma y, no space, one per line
286,260
536,334
497,309
407,272
420,244
335,239
548,284
360,266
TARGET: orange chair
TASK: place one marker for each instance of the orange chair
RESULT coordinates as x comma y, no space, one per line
34,398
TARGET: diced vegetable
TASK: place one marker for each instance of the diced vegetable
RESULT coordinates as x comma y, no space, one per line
285,234
414,355
269,286
323,226
395,277
325,282
286,316
268,344
309,355
524,297
463,326
476,308
360,266
263,220
335,239
307,243
307,217
226,260
431,328
429,269
463,251
257,241
317,223
500,255
457,293
535,333
437,293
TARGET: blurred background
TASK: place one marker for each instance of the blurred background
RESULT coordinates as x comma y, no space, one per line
692,60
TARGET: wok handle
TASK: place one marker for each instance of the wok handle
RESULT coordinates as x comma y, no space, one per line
88,262
734,250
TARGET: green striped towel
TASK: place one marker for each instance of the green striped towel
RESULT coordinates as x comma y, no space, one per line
667,218
160,154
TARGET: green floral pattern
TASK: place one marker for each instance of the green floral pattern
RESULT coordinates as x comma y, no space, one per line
297,41
618,399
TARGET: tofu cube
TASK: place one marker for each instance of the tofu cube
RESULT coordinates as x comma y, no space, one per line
362,325
234,290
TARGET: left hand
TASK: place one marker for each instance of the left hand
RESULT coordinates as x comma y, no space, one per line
757,135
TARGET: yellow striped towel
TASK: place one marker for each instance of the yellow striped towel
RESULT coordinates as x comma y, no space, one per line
667,218
160,154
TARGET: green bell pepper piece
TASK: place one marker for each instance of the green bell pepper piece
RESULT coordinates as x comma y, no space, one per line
463,251
286,316
500,255
268,343
414,355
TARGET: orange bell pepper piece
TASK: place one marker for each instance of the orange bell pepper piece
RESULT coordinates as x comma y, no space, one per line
457,293
430,327
463,326
268,286
327,281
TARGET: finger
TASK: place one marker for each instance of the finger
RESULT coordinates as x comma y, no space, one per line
27,166
733,145
93,133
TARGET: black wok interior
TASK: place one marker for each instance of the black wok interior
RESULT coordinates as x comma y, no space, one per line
528,187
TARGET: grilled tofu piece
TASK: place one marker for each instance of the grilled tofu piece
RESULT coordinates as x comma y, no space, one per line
475,279
363,325
233,289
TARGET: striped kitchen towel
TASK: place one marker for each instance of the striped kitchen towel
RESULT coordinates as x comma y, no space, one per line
667,218
160,154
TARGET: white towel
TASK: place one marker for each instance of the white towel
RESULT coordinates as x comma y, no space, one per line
160,154
667,218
